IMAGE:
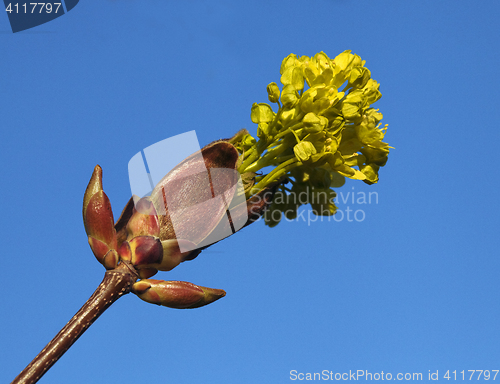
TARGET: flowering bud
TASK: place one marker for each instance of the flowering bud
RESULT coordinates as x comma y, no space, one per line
187,211
176,294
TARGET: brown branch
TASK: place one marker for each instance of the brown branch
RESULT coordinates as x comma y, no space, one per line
115,284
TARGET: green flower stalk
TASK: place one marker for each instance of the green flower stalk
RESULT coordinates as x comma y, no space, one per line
318,136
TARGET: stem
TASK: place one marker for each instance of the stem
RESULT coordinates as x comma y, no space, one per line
252,155
289,130
115,284
266,160
276,174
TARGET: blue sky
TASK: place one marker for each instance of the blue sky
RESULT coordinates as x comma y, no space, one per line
412,288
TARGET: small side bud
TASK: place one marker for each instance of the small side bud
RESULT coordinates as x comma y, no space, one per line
176,294
172,255
111,259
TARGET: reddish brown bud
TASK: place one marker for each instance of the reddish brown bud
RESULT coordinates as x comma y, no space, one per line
98,221
111,259
145,250
172,255
176,294
144,220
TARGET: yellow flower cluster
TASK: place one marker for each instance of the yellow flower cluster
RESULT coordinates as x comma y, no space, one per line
321,132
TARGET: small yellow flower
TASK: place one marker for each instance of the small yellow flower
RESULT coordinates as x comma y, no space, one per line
273,92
